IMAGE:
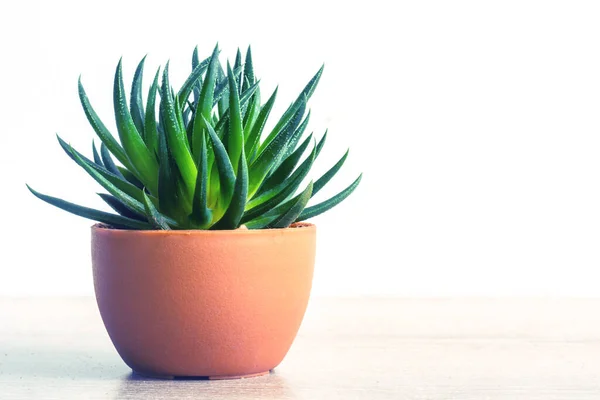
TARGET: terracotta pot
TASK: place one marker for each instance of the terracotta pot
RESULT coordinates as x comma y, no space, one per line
216,304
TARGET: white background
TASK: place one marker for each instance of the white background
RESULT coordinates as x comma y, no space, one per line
476,124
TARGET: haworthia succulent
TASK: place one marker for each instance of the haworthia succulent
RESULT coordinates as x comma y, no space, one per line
205,161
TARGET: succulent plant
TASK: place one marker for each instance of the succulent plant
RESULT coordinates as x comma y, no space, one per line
202,161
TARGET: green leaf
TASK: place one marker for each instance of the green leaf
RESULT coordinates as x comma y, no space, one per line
322,142
179,115
285,122
248,70
275,196
232,217
141,158
137,103
226,173
97,159
247,95
167,179
150,127
103,133
251,114
285,169
296,137
116,221
176,137
87,164
190,82
129,201
267,219
119,207
243,100
195,62
291,111
205,104
310,87
109,164
224,99
154,217
238,64
270,155
288,165
201,214
235,144
322,181
329,203
285,219
253,139
261,222
129,177
222,87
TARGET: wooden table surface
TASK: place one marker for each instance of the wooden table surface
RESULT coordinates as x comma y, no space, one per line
346,349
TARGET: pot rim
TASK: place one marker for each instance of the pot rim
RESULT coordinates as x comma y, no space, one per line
306,226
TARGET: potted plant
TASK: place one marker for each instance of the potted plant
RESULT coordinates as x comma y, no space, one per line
205,269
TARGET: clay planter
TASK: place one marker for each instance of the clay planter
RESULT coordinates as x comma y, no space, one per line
216,304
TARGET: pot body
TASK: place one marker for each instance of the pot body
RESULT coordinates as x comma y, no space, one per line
215,304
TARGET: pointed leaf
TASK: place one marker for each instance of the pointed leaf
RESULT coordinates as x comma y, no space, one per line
103,133
326,177
195,62
274,197
284,220
238,64
226,172
141,158
97,159
167,180
265,220
253,139
244,99
326,205
235,210
235,138
116,221
119,207
129,201
312,84
285,169
248,70
291,122
205,104
154,217
137,103
262,221
222,86
271,154
190,82
129,177
87,164
251,113
109,164
224,99
296,137
201,215
290,112
150,127
177,141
